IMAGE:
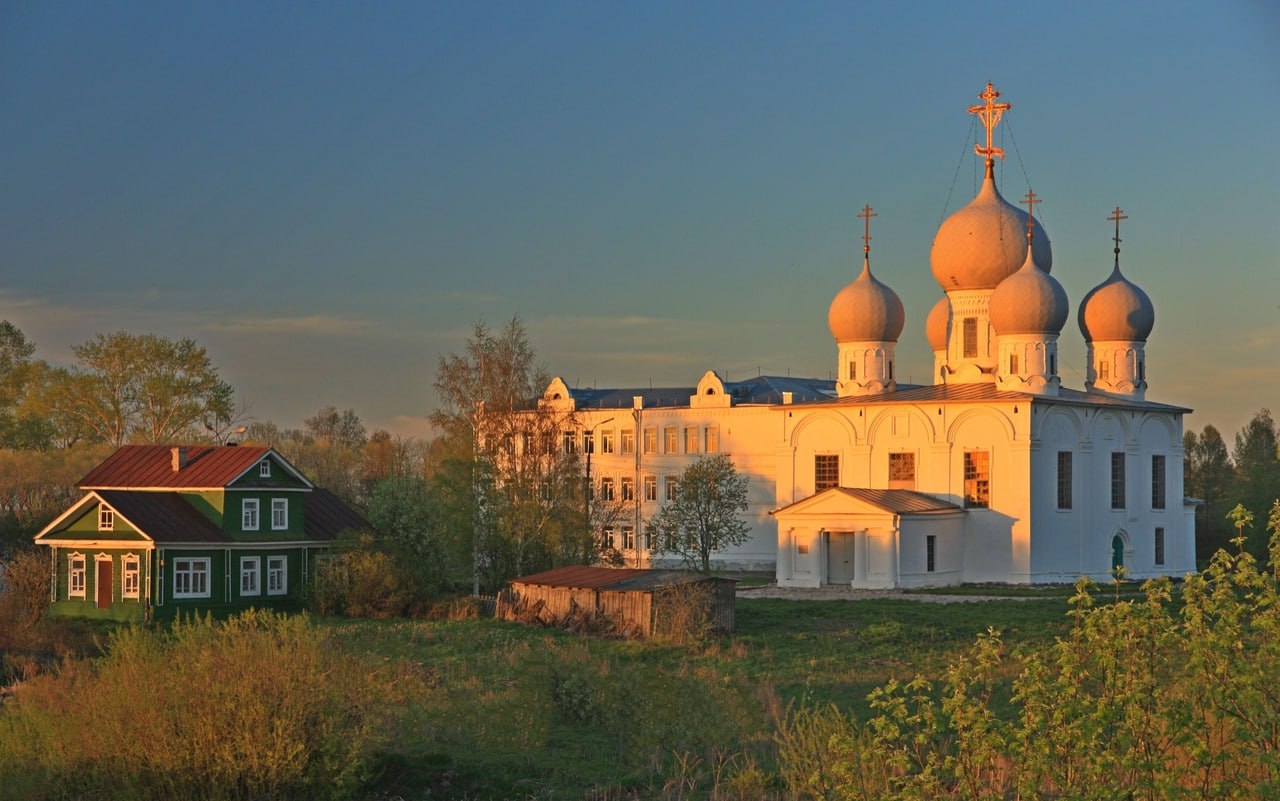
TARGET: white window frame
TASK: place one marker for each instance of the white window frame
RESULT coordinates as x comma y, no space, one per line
650,440
77,589
711,439
106,518
691,439
627,488
650,488
628,538
130,576
277,566
606,440
250,575
280,508
627,440
606,489
249,518
264,468
671,487
192,568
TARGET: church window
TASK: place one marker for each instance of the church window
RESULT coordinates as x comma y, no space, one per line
891,369
802,548
606,489
1053,364
711,439
1142,370
977,479
606,442
1064,480
1013,364
651,440
628,440
970,337
1159,544
691,439
930,552
1117,480
826,471
902,471
671,439
853,371
1104,371
1157,481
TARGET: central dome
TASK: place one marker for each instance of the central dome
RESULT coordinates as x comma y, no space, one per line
985,242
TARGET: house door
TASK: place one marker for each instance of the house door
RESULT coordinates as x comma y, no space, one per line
104,583
840,557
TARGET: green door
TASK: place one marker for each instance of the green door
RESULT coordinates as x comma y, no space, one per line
1117,553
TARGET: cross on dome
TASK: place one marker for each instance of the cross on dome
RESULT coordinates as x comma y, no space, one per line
989,113
866,214
1118,215
1031,200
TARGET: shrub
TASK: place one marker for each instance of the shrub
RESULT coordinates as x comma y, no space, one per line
24,589
363,581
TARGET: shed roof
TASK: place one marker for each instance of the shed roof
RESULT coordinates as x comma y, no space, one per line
611,578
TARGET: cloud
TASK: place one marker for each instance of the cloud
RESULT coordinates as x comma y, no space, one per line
306,325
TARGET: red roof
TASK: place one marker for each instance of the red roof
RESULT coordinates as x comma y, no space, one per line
151,467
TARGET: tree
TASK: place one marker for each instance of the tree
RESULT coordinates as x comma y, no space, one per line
1209,476
1258,470
705,515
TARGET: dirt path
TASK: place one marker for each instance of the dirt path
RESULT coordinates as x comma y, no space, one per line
849,594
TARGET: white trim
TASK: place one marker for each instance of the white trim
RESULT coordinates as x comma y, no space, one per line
84,572
192,489
99,558
122,545
191,572
246,506
285,525
284,574
125,593
106,518
264,467
251,566
76,508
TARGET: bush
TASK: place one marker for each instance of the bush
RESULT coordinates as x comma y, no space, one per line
364,581
24,589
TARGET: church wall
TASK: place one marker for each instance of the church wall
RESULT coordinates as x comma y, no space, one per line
1057,549
997,537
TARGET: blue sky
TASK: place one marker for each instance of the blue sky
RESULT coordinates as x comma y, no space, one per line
327,196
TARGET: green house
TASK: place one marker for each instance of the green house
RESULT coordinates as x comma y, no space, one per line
163,530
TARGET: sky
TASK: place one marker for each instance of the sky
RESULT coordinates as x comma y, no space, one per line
328,196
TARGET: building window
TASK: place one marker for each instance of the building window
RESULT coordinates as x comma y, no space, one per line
628,488
651,440
711,439
628,440
130,576
671,440
264,468
970,337
977,479
606,442
1013,364
673,487
249,571
249,514
802,548
1064,480
1159,546
1053,364
191,578
691,440
826,471
570,443
589,442
891,369
606,539
853,370
279,514
1104,371
930,552
106,518
628,538
1157,481
75,575
902,471
277,575
1117,480
651,488
606,489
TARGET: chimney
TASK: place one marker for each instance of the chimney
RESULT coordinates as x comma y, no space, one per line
786,398
179,458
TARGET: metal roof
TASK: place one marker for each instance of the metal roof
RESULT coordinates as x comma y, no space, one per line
164,517
325,516
759,390
151,466
942,393
896,501
611,578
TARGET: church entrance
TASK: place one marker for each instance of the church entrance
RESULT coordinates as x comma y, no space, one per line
839,557
1117,553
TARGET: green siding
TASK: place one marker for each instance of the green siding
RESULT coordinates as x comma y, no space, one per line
280,478
85,526
233,522
120,608
209,504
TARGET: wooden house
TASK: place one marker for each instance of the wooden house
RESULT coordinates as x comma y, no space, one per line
162,530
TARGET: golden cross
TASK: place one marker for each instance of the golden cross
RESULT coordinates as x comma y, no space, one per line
989,112
1031,200
1118,215
867,214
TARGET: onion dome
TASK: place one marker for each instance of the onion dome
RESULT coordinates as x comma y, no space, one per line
984,243
938,322
1029,302
1116,310
866,311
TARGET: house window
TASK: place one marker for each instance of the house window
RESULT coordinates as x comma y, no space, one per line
130,576
191,578
673,487
1117,480
606,489
106,518
277,575
711,438
279,514
1157,481
826,471
970,337
651,440
264,468
606,442
628,489
902,471
671,440
75,575
930,552
977,479
1064,480
651,488
691,440
628,440
249,514
628,538
250,567
1159,546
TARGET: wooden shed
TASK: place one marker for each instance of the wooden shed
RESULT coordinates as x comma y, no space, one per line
635,601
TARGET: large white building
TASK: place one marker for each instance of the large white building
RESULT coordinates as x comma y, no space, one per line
994,472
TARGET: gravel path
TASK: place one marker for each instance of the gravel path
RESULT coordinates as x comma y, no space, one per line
849,594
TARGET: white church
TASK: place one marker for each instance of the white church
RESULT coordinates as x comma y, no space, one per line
994,472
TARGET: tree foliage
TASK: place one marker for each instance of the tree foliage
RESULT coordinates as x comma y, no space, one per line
1257,461
1208,476
705,514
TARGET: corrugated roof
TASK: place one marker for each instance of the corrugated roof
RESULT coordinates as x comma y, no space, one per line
759,390
326,516
941,393
900,501
165,517
151,466
608,578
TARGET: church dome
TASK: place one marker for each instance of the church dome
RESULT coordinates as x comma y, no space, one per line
983,243
937,323
1117,310
866,311
1029,302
